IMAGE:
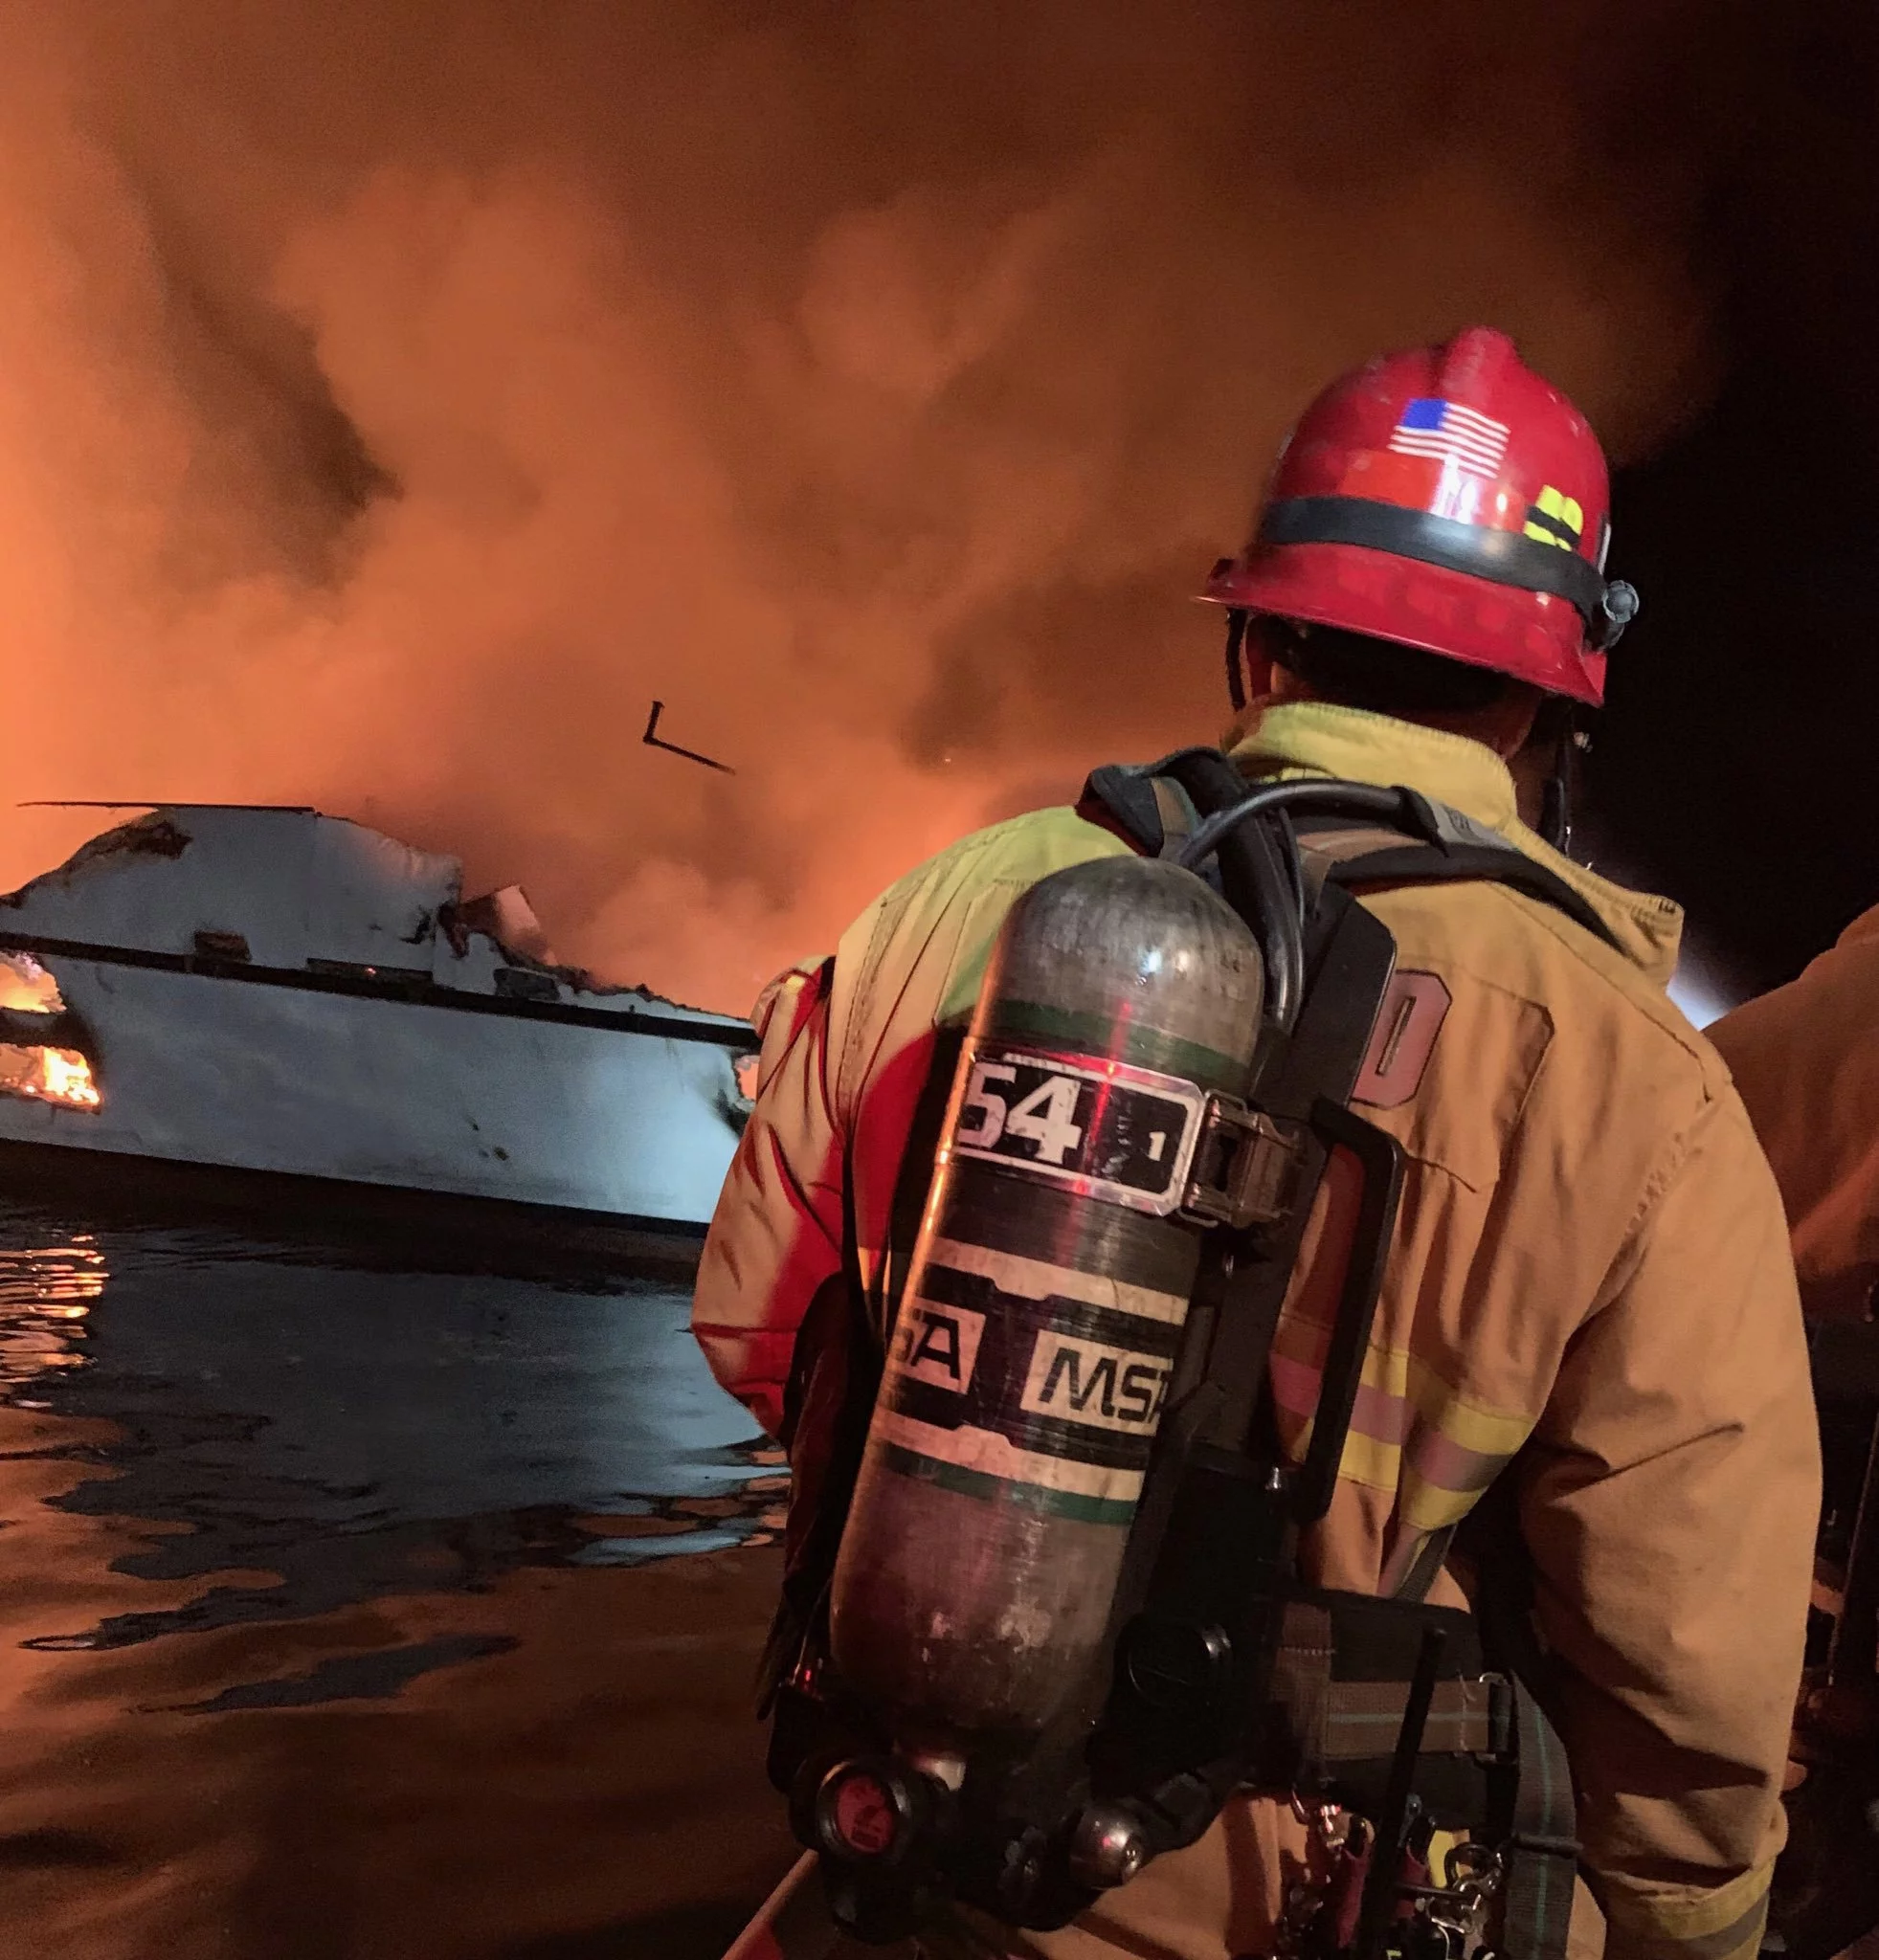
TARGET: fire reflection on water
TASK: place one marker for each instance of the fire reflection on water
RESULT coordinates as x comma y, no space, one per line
46,1293
325,1577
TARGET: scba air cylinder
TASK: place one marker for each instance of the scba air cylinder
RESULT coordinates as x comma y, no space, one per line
1032,1352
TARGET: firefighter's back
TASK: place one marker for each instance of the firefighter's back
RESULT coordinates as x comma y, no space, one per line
1589,1276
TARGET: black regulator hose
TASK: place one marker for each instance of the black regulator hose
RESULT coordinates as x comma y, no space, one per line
1259,874
1251,824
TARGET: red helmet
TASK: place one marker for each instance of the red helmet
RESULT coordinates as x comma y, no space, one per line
1447,498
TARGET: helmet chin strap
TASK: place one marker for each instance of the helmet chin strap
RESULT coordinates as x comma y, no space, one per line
1557,795
1236,643
1249,659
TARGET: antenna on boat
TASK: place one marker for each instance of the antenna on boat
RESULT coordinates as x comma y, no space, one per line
654,739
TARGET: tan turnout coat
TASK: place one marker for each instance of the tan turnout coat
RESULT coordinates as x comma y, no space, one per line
1807,1058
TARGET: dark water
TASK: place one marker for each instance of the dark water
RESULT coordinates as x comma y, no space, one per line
352,1610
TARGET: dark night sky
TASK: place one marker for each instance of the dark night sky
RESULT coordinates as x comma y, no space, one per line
1738,751
1737,756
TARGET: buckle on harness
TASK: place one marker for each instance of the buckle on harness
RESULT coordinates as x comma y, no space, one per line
1503,1735
1246,1167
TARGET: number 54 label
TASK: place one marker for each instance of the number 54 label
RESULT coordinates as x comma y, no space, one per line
1111,1132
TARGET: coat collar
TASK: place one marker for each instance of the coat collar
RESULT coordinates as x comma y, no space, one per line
1275,738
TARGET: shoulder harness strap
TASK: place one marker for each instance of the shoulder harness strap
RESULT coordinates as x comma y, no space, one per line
1462,850
1152,809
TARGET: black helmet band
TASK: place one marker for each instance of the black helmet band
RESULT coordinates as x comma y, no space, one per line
1504,558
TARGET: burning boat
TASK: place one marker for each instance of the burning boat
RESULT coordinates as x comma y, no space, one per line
273,991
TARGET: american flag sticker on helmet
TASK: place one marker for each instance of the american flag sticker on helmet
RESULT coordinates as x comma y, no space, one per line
1451,434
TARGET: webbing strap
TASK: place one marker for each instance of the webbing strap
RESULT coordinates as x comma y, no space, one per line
1401,863
1534,1806
1431,1556
1540,1851
1126,795
1177,813
1463,850
1363,1718
1341,1679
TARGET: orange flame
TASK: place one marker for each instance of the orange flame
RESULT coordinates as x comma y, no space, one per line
48,1075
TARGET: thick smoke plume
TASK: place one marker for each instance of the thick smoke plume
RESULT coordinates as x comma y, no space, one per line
396,395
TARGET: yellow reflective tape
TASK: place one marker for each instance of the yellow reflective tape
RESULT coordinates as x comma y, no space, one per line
1689,1921
1421,1505
1474,1425
1429,1508
1374,1465
1368,1462
1406,1377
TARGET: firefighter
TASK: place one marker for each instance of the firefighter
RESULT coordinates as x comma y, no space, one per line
1805,1059
1589,1295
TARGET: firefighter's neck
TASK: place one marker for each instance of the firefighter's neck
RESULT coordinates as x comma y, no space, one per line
1506,726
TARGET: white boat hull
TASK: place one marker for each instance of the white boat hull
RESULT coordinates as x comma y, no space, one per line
462,1095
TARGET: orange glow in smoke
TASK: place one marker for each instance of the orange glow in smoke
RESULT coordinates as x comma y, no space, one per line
397,395
27,988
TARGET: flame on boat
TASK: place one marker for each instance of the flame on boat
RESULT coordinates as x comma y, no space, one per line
45,1072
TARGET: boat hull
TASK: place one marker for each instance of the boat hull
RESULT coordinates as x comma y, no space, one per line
623,1117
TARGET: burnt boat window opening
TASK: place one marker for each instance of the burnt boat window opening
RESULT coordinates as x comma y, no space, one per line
44,1072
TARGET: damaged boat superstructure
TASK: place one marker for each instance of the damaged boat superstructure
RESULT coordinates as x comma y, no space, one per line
273,989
